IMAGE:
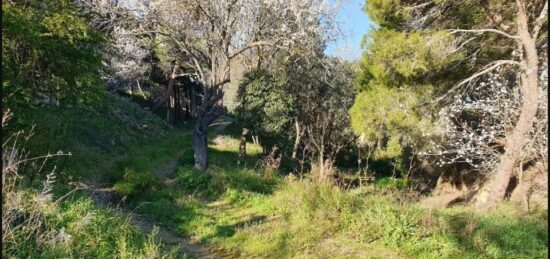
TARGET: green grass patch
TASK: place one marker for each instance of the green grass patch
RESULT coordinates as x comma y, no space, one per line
237,207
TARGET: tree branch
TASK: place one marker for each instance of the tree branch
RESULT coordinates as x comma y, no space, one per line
495,17
540,20
480,31
488,68
255,44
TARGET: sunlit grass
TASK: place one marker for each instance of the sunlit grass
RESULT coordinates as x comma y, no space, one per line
239,209
236,207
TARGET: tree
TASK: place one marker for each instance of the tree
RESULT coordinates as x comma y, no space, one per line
264,107
129,59
484,27
205,36
324,92
393,85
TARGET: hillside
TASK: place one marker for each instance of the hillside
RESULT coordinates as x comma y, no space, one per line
237,129
243,211
101,139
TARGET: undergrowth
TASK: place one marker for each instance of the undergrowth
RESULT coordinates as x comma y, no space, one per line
44,219
252,214
237,207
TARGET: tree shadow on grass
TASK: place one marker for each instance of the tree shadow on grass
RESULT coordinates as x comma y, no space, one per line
230,230
223,173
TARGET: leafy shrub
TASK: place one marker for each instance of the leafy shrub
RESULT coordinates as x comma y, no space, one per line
134,183
49,53
235,196
191,179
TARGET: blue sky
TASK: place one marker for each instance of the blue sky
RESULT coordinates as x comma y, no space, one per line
354,23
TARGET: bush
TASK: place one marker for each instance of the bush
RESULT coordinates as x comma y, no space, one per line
49,54
191,179
134,183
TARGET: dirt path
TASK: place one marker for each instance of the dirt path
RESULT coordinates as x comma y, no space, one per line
104,197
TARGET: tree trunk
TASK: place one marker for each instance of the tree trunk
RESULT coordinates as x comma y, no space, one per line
518,137
193,103
187,102
170,111
200,145
140,90
164,96
242,145
208,111
176,108
321,167
297,140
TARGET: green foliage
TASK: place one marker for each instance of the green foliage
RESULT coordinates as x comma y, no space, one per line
48,51
111,133
191,179
394,84
392,183
410,60
384,12
394,58
411,14
233,207
363,222
63,228
387,122
383,112
263,104
134,183
323,89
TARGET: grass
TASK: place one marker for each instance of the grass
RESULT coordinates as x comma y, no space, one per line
77,229
245,212
109,141
239,209
107,134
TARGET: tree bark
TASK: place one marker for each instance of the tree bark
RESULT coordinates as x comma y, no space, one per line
200,145
208,111
518,137
164,97
170,111
298,138
140,90
321,167
242,145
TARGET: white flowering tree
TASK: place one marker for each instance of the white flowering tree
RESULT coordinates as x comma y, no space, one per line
205,36
520,26
129,58
472,128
